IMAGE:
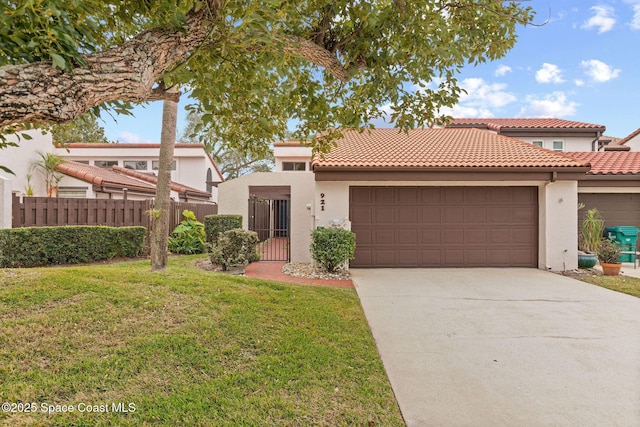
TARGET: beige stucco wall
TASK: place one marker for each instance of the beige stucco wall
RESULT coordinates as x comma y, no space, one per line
233,198
558,214
5,203
21,158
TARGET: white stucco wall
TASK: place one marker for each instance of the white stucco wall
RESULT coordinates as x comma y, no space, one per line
20,160
233,198
558,212
634,143
571,143
5,203
558,215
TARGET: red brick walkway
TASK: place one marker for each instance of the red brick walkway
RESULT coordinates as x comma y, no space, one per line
272,270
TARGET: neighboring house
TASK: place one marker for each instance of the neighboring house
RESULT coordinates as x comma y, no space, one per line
632,141
553,134
113,170
612,185
427,198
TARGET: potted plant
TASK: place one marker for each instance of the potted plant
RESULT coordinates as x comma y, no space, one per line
590,239
608,254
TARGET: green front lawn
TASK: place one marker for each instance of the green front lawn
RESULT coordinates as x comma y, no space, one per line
185,347
628,285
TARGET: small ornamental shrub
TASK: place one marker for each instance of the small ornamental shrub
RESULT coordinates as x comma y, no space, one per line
332,247
36,246
609,251
188,237
216,224
233,248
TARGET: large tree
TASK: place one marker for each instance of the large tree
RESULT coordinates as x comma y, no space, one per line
252,66
83,129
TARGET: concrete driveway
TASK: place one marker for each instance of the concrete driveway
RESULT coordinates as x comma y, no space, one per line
504,347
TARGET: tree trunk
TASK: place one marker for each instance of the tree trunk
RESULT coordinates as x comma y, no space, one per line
160,230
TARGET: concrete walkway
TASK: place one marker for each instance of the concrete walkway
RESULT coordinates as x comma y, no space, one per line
504,347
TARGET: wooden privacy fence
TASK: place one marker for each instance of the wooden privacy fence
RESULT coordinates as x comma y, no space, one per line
52,211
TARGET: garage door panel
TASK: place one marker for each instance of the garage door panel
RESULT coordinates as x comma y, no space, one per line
383,216
431,236
407,215
475,236
360,196
454,214
431,215
384,236
475,214
446,226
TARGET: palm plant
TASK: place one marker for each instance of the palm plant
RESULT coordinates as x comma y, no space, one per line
47,165
592,229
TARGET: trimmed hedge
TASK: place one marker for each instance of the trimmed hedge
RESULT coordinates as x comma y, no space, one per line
37,246
234,247
216,224
332,247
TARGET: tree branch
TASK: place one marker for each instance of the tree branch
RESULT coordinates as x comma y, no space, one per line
39,92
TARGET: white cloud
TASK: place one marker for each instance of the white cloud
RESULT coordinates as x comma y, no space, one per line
481,99
602,19
554,104
579,82
599,71
549,73
635,21
502,70
131,138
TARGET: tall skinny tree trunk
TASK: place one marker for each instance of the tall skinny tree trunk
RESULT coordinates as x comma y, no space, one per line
160,219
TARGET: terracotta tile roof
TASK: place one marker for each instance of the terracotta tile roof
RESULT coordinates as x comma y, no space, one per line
103,177
527,123
610,162
154,180
439,148
120,177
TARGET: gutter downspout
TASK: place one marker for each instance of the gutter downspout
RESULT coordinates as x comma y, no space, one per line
593,143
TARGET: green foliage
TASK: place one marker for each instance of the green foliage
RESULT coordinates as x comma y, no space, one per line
609,251
84,129
47,165
35,246
234,247
253,75
232,162
216,224
188,237
332,247
592,230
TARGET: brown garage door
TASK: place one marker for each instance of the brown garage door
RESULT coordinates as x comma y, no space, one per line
445,226
616,209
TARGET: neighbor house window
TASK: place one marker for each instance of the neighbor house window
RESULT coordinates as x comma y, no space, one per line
138,165
72,192
537,143
294,166
105,163
558,145
155,165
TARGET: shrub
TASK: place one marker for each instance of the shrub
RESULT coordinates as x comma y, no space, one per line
234,247
332,247
35,246
609,251
188,237
216,224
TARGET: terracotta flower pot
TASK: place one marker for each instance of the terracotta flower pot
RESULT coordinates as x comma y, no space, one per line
611,269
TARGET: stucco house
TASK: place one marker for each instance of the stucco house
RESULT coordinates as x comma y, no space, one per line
114,170
430,197
551,133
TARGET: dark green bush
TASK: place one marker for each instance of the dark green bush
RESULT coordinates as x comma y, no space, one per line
216,224
234,247
332,247
188,236
35,246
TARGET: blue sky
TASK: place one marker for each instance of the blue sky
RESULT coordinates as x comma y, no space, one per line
582,63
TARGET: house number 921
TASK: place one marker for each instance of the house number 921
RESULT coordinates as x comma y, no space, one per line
321,201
